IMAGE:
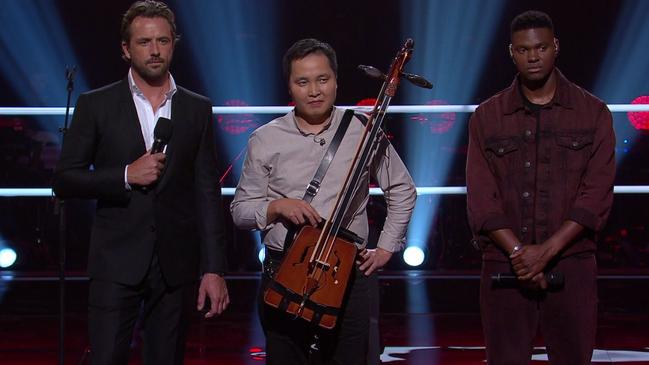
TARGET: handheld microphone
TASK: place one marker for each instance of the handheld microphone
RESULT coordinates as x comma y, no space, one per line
161,135
554,279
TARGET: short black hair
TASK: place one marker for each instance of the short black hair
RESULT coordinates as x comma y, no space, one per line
531,19
305,47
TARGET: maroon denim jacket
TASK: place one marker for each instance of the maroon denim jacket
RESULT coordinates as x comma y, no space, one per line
531,172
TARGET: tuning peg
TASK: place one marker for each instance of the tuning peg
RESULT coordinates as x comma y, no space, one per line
417,80
372,71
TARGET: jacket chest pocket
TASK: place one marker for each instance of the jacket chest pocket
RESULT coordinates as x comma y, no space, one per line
503,154
573,150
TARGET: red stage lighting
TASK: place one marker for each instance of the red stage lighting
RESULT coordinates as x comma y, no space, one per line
366,102
236,123
639,120
437,122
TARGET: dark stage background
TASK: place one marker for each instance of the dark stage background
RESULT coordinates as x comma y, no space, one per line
231,51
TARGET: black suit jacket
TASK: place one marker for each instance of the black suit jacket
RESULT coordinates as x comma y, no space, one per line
180,217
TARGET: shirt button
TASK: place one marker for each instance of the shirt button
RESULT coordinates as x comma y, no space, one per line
526,194
524,229
527,164
528,133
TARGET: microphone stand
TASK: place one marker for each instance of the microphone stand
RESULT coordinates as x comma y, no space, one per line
60,209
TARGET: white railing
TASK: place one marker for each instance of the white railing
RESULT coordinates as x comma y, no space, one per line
616,108
424,190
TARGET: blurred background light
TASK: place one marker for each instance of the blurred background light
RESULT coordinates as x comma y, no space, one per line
7,257
452,38
414,256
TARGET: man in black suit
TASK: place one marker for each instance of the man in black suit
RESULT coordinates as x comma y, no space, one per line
158,225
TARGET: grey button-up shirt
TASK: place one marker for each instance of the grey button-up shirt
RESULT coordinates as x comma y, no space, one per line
281,160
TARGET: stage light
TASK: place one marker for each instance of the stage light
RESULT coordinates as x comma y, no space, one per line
236,51
366,102
414,256
639,120
624,72
262,254
7,257
236,124
449,37
437,123
36,51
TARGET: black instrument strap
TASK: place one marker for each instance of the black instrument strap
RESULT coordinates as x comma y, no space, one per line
314,185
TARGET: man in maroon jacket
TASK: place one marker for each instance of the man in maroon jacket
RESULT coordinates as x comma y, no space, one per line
540,171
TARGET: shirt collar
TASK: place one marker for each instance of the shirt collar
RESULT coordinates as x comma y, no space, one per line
514,97
135,90
332,117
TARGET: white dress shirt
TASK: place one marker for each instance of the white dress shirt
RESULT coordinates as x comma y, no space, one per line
145,113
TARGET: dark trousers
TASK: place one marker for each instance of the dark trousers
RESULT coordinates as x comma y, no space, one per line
289,341
567,317
114,308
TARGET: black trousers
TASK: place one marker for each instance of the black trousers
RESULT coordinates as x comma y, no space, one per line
114,308
567,318
289,341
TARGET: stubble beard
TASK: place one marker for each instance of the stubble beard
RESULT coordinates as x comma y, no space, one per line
150,75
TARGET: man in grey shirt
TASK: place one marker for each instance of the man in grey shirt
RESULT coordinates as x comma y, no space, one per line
281,159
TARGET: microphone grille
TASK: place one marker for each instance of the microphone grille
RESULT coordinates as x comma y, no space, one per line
163,129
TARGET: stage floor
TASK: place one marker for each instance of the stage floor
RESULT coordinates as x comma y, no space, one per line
428,334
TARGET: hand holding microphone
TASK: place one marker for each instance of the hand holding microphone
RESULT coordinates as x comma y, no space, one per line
555,281
147,169
161,135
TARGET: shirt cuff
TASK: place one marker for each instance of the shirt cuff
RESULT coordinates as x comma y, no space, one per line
261,217
585,218
126,184
495,222
390,244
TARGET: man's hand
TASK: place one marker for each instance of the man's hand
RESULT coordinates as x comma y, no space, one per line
146,169
530,260
371,260
295,210
214,287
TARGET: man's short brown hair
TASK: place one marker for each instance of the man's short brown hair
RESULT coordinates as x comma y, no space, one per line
147,9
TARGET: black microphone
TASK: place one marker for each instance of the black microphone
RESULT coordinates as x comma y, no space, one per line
320,140
161,135
554,279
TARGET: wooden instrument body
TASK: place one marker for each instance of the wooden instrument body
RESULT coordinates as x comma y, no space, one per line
295,271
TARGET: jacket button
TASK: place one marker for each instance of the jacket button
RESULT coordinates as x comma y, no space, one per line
575,144
501,150
526,194
527,164
528,133
152,228
524,229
